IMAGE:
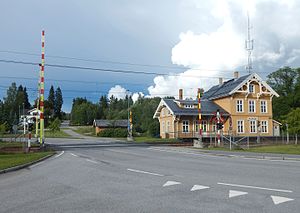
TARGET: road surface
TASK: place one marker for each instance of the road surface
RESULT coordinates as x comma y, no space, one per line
110,176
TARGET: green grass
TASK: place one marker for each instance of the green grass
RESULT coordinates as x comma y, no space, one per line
56,134
11,160
88,130
279,149
15,144
154,140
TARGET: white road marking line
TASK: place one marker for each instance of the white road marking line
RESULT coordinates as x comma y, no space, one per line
37,164
74,155
144,172
96,145
60,154
256,187
233,193
92,161
278,200
171,183
199,187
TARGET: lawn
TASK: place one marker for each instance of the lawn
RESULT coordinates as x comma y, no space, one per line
56,134
88,130
279,149
11,160
16,144
154,140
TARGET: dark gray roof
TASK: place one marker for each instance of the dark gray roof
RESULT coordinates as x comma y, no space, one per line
207,108
223,90
111,123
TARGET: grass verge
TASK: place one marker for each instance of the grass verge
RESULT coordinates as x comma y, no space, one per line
15,144
277,149
154,140
11,160
56,134
88,130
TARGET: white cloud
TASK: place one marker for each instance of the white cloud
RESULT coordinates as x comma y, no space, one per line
117,91
222,47
136,96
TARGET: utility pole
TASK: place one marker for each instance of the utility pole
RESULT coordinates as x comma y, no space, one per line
219,127
287,134
199,143
42,88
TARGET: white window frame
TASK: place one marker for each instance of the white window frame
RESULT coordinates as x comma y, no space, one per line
204,124
263,107
163,127
239,105
253,126
168,126
240,126
185,126
264,124
188,106
196,126
253,88
249,106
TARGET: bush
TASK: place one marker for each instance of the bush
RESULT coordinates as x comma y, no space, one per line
55,125
113,132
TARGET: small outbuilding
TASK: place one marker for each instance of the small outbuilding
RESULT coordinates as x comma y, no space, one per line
100,125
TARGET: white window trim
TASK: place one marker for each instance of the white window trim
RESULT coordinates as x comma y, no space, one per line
163,127
254,106
243,125
204,123
237,105
267,126
253,88
255,126
266,105
168,126
188,124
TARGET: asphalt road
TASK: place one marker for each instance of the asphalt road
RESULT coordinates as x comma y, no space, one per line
116,177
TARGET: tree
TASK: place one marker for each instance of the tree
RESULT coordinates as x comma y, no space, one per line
51,98
293,120
11,105
58,103
286,82
27,104
55,125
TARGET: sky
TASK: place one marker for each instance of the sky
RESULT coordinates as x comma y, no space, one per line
176,44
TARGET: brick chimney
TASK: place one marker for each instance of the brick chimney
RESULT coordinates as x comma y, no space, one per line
220,81
236,75
180,94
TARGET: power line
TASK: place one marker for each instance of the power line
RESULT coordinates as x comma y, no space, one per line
113,62
105,70
74,81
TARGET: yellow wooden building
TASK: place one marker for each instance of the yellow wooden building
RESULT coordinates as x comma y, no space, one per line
245,104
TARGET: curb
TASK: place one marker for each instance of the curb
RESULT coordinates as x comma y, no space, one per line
264,156
15,168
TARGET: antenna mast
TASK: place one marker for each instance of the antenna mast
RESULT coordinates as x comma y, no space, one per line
249,45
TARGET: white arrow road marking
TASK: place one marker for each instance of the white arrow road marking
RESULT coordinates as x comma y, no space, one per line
171,183
233,193
278,200
199,187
